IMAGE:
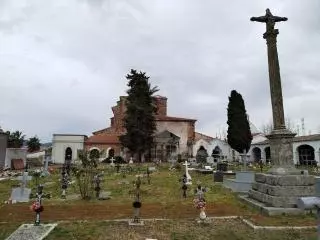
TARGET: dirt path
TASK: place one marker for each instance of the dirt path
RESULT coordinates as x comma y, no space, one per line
22,213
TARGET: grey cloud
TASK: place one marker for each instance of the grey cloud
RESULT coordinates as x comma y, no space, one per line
68,60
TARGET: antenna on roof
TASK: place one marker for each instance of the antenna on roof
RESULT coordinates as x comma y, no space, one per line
302,127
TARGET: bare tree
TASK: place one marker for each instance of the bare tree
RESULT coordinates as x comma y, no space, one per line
268,127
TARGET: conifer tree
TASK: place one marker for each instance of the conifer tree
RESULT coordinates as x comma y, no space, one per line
139,120
239,133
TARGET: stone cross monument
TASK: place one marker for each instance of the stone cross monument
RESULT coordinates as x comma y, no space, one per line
277,191
280,138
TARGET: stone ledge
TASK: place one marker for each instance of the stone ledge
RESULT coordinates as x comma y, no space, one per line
285,180
273,201
270,211
294,191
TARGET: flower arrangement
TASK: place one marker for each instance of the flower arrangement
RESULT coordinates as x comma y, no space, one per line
36,207
199,203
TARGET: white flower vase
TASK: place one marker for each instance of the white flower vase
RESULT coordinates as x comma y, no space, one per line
202,215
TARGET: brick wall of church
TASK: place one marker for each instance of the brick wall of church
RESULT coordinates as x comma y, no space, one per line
191,131
120,109
161,103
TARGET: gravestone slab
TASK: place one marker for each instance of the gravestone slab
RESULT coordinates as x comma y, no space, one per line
104,195
132,223
22,194
32,232
152,169
73,197
218,176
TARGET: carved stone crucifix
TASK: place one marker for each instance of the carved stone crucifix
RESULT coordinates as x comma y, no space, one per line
274,70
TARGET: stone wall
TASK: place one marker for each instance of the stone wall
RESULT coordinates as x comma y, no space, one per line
3,146
15,153
281,191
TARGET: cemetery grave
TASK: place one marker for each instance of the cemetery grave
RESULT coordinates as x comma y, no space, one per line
162,198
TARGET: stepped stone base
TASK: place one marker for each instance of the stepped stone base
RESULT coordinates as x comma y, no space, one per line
281,191
270,211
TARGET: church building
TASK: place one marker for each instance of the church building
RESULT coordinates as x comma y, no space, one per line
174,135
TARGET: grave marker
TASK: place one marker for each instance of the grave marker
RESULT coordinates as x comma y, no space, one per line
22,193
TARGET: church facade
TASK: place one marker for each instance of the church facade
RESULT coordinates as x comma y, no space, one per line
174,135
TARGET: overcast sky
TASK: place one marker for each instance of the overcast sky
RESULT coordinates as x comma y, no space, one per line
63,62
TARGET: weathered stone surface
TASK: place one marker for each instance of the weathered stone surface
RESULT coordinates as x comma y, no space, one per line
285,180
260,177
298,191
273,201
30,231
290,180
270,211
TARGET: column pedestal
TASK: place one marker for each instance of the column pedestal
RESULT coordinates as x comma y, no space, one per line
281,153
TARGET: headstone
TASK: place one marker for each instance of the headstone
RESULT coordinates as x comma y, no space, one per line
22,193
218,176
131,160
136,206
184,186
200,192
97,187
148,175
45,171
112,164
30,231
208,168
189,179
152,169
221,166
64,183
37,206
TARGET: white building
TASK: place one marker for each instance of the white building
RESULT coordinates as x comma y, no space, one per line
216,148
306,149
65,147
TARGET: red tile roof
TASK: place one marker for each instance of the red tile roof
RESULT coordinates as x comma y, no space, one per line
199,136
100,130
103,139
313,137
173,119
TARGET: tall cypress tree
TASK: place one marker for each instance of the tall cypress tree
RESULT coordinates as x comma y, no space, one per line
239,133
139,120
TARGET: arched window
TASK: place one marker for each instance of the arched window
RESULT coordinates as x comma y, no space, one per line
94,154
216,154
256,152
268,154
68,155
306,155
202,155
111,152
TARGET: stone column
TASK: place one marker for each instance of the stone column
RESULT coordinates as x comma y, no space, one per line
274,79
317,156
280,138
296,157
263,155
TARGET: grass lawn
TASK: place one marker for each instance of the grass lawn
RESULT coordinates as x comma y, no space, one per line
162,230
161,199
